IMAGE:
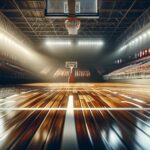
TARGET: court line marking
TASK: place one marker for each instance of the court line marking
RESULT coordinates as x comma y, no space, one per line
131,104
69,124
65,109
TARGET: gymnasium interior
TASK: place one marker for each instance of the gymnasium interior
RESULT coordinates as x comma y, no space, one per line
74,74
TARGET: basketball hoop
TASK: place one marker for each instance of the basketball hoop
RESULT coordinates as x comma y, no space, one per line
72,25
71,64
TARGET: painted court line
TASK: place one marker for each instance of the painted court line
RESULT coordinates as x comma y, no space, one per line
75,109
69,140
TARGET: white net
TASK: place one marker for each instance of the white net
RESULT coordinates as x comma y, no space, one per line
72,25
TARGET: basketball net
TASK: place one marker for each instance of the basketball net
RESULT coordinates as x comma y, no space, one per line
72,25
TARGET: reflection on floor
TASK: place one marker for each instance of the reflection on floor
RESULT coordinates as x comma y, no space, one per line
24,126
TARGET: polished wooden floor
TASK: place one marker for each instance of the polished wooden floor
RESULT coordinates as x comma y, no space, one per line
75,116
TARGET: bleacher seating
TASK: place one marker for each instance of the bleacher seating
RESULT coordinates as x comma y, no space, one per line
137,69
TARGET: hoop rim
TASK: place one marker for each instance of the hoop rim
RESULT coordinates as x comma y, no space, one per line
72,18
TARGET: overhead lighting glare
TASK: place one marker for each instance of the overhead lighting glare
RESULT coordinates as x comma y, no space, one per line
58,43
140,37
136,40
7,39
123,48
144,35
90,43
148,32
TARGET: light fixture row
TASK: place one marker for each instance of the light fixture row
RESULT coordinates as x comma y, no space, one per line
79,43
58,43
90,43
136,40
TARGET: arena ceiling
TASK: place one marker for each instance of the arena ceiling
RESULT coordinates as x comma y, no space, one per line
115,17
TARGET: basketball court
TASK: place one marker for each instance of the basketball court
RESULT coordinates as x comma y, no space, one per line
66,68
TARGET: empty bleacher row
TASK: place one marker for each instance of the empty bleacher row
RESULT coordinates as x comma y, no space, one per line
137,69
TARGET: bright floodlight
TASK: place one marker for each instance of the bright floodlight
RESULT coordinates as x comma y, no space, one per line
58,43
123,48
91,43
144,35
136,40
148,32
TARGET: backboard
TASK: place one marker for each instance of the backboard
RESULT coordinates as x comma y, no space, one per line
71,64
83,8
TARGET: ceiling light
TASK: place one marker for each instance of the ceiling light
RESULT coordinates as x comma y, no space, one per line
123,48
130,44
136,40
90,43
148,32
58,43
144,35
